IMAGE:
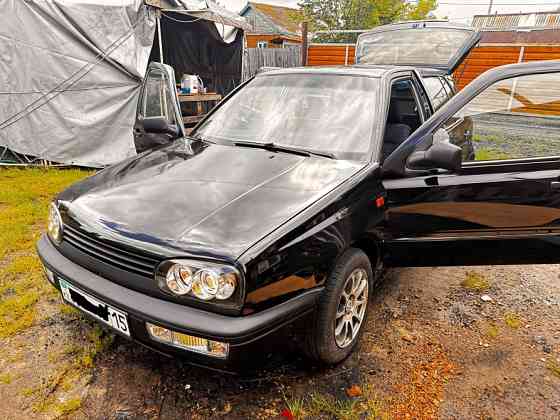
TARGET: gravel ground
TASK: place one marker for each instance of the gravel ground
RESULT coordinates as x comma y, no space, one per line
450,343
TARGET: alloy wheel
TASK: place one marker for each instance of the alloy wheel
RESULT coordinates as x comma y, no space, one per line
351,308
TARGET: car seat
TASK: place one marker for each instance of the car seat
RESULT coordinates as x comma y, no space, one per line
395,131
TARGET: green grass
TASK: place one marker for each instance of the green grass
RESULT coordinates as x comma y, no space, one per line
25,195
488,138
488,153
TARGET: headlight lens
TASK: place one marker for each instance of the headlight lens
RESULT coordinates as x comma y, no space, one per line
179,279
203,280
228,282
54,228
205,285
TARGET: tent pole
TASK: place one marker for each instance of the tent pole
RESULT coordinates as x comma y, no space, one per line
159,37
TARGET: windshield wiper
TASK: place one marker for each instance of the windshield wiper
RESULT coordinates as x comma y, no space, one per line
201,138
273,147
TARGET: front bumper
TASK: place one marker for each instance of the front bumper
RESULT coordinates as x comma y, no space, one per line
237,331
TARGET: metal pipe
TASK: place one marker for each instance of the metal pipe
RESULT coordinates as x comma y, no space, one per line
159,37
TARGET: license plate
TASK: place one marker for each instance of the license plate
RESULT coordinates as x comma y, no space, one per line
93,306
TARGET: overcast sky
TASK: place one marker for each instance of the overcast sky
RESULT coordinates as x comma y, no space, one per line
461,11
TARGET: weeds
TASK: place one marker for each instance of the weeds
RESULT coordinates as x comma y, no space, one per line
493,331
512,320
475,282
5,379
554,367
317,405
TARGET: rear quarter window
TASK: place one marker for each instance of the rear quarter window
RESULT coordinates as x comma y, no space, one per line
437,91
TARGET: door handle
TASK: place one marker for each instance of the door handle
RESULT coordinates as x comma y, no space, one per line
555,185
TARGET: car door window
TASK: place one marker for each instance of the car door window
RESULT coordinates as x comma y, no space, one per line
403,116
516,118
157,99
436,91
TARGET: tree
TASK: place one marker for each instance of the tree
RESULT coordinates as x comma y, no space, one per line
324,15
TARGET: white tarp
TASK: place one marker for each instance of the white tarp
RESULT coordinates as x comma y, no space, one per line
70,73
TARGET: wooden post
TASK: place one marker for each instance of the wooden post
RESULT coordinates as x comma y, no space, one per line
304,43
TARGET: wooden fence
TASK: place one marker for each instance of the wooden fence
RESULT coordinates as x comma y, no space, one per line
330,54
255,58
488,56
480,59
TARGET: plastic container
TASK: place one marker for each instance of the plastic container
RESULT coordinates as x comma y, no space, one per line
186,83
191,84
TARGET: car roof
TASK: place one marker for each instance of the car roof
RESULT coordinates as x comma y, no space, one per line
375,71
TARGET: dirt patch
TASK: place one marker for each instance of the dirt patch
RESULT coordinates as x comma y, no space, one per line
432,346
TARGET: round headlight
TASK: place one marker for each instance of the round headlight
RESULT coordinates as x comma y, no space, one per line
205,284
179,279
226,286
54,228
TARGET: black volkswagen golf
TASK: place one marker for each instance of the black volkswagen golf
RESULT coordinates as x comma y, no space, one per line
290,197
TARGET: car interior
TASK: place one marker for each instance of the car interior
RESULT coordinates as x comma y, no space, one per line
403,117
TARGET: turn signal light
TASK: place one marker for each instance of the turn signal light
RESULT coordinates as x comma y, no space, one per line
188,342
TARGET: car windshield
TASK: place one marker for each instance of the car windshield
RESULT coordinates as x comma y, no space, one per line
332,114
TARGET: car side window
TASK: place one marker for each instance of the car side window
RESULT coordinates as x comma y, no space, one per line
515,118
403,117
436,91
157,100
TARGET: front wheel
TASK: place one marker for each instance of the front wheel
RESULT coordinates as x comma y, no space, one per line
342,309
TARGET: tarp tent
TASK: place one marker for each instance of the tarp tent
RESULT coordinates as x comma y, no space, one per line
71,71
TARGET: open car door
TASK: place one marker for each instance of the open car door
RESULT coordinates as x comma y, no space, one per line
500,206
158,116
434,44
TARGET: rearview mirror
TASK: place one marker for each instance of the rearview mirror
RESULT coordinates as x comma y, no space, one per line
441,155
159,125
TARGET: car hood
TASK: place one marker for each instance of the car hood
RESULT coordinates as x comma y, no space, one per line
201,199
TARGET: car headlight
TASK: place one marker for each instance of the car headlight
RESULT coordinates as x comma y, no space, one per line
54,228
203,280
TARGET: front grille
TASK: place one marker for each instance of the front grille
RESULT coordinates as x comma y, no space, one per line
109,253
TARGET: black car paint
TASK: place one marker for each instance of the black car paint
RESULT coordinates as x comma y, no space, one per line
285,231
487,213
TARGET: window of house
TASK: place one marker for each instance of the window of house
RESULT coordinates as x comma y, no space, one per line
515,118
262,44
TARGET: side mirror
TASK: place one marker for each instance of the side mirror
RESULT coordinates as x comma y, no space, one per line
159,125
441,155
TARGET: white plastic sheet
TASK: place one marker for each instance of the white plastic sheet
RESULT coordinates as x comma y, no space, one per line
70,74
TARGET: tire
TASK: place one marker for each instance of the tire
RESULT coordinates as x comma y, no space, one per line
321,345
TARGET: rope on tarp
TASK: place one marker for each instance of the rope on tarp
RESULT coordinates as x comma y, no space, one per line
58,89
179,20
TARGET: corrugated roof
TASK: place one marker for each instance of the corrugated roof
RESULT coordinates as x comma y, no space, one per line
280,16
517,21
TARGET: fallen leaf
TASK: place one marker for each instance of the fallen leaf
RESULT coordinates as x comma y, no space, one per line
227,408
354,391
286,413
